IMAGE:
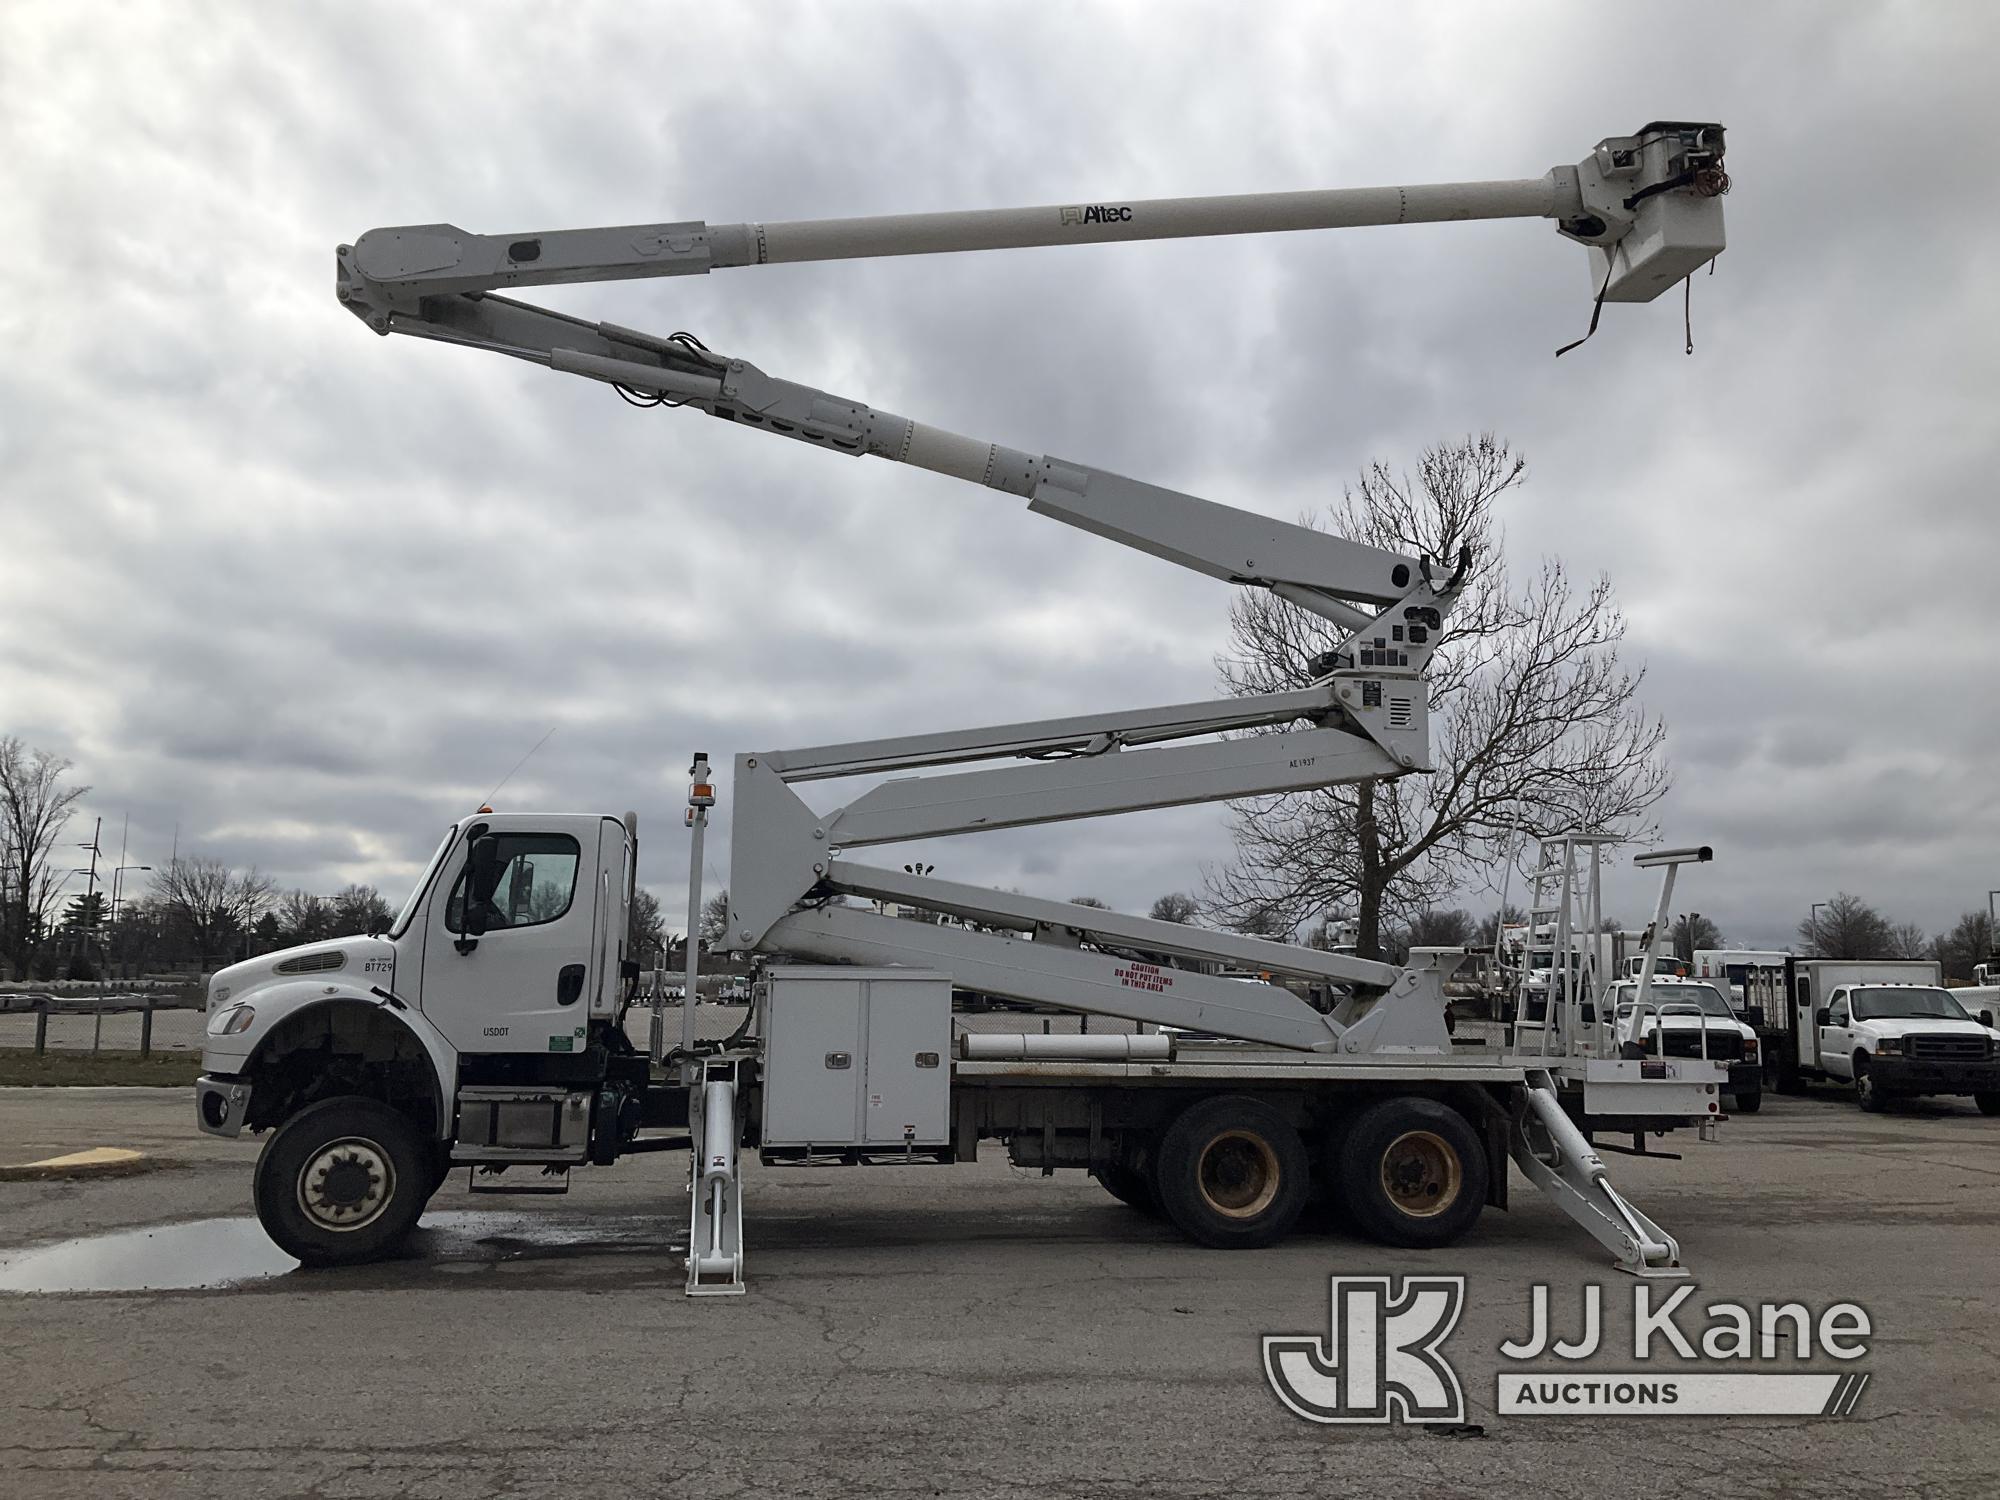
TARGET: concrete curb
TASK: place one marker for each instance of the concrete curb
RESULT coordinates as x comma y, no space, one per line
100,1161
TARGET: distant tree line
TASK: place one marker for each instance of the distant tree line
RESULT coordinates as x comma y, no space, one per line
201,914
1849,927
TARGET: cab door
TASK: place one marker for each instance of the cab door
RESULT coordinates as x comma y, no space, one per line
1836,1038
523,983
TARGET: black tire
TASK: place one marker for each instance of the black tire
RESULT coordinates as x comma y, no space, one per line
1413,1173
1231,1173
1867,1093
1130,1187
343,1182
1747,1102
1988,1101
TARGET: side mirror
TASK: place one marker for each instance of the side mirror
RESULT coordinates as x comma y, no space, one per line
1824,1017
482,878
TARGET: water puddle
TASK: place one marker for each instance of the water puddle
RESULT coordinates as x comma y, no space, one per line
212,1254
170,1257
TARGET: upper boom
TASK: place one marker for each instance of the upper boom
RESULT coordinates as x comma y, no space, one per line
1643,203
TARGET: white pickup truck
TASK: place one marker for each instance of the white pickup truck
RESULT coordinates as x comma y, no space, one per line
1892,1031
1686,1018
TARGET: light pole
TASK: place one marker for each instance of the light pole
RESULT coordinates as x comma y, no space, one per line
1814,919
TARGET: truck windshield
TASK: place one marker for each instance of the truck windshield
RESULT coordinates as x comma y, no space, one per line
417,891
1704,995
1910,1004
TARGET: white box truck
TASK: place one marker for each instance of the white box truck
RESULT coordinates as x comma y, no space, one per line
1887,1026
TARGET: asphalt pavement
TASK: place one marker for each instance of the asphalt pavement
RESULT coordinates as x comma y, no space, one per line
964,1330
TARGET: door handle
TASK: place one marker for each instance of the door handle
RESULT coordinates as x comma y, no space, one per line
569,984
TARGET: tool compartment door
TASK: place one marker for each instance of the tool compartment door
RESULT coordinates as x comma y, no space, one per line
814,1065
909,1066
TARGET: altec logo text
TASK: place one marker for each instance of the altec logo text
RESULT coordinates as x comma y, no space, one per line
1382,1359
1097,213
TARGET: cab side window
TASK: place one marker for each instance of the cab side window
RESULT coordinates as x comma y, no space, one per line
537,882
1839,1011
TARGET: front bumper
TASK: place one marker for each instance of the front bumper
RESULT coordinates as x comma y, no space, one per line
221,1103
1913,1075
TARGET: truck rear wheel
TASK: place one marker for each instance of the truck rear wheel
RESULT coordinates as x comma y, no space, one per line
1130,1187
1412,1172
1231,1173
343,1181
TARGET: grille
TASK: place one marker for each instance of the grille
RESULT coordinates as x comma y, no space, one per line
1722,1046
311,963
1945,1048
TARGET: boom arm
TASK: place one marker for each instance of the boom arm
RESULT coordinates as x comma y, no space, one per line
1628,184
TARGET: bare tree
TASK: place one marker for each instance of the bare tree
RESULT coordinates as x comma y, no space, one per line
35,807
1536,723
302,918
1909,940
1846,927
649,926
1968,943
1175,906
715,919
1705,935
214,905
360,908
1091,901
1509,915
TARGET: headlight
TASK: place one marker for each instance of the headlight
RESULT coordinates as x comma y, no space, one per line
229,1022
1890,1048
1749,1046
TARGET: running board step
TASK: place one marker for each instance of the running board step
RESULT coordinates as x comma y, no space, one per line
1552,1153
551,1181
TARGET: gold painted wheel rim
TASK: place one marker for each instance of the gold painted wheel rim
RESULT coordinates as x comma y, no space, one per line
1238,1174
1421,1174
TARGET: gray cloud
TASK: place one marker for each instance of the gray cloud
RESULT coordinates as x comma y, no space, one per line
303,593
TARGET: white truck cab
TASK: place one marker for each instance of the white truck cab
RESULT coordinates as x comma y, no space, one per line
505,970
1684,1018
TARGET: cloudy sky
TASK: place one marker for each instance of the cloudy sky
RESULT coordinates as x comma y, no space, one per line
304,594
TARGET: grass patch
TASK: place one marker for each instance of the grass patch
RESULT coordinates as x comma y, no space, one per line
20,1068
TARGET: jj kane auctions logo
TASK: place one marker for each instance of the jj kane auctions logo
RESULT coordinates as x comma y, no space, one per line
1382,1358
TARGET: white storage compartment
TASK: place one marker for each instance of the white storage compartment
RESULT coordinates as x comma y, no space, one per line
857,1058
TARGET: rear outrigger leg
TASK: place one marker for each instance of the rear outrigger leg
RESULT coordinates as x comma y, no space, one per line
1561,1163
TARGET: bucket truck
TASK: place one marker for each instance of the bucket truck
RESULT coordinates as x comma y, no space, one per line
483,1027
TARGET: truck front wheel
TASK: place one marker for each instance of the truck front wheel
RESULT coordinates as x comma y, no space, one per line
1867,1092
1988,1101
343,1182
1412,1172
1231,1173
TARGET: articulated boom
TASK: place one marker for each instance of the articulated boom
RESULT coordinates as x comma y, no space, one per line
1645,205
